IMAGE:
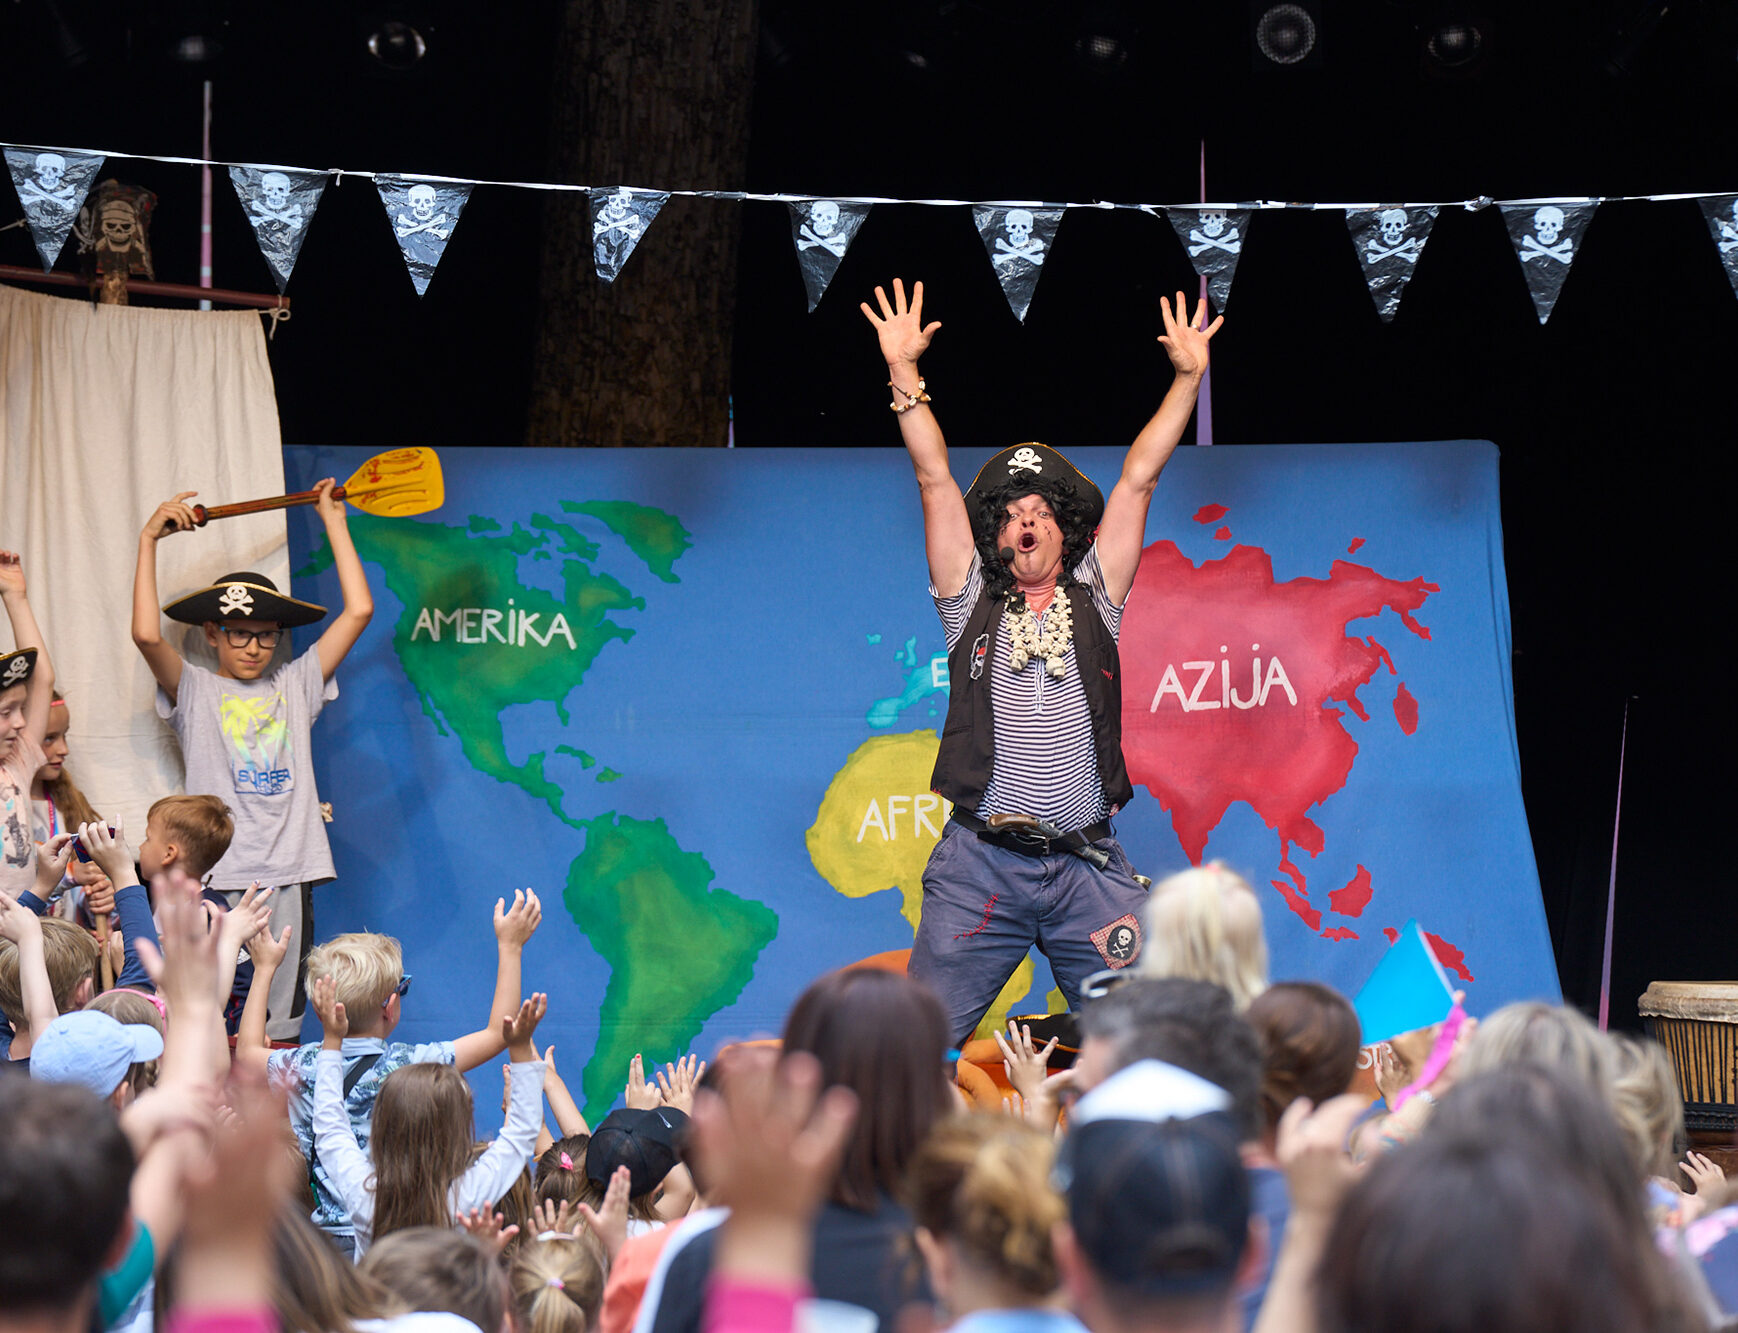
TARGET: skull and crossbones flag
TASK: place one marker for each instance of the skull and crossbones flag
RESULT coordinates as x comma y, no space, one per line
619,217
423,215
822,230
51,187
1018,242
1214,239
279,205
1721,212
1546,237
1388,242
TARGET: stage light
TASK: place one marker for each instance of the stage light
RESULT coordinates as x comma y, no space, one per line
397,45
1100,49
1454,45
1287,34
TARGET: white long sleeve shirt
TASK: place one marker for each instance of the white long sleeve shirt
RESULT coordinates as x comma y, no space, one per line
488,1178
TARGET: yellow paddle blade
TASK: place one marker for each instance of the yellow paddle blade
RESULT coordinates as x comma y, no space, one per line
397,484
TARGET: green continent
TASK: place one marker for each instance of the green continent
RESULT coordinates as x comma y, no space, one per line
656,537
433,570
678,951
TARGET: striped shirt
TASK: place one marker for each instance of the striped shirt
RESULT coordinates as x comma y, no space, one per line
1045,763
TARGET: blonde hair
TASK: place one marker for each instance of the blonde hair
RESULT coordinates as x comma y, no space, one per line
71,956
201,826
438,1268
1205,924
1553,1035
131,1008
1646,1101
366,968
557,1287
983,1182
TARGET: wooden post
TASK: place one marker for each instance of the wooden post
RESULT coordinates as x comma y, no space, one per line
649,93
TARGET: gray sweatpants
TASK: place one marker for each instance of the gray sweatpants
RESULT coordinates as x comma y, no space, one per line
984,907
292,906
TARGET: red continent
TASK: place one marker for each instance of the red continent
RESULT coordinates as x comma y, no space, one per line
1283,759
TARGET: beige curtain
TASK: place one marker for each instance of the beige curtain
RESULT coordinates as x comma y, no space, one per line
104,412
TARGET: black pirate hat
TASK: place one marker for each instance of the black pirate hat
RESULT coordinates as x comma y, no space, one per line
1032,463
15,667
243,596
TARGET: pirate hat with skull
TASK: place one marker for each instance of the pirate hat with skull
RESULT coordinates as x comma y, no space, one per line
15,667
1038,469
243,596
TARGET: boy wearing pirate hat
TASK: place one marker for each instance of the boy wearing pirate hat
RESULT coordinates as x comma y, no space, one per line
26,691
244,729
1031,598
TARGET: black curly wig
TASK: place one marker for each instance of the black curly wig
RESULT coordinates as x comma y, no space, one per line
1072,513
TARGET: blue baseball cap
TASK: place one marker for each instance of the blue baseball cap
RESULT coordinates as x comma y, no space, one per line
92,1050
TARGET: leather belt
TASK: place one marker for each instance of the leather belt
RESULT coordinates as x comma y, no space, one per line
1030,836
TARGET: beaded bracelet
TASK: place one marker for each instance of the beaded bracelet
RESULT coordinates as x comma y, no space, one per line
911,399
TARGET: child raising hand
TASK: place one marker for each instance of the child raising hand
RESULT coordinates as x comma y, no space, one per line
418,1170
26,689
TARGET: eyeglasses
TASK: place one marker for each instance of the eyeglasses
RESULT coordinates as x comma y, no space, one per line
400,990
265,638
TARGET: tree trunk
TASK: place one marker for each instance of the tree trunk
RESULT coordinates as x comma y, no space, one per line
647,93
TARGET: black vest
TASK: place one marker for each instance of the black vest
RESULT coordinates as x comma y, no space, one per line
968,739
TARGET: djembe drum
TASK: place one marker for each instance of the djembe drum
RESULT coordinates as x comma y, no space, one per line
1697,1023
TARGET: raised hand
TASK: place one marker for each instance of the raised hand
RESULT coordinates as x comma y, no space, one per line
516,1029
324,505
11,574
1185,340
268,950
900,328
171,516
109,851
641,1096
768,1150
677,1082
247,918
323,996
556,1217
515,925
1311,1150
610,1223
487,1226
18,923
183,965
1026,1066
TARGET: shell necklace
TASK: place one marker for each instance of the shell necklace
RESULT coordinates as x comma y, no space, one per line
1027,640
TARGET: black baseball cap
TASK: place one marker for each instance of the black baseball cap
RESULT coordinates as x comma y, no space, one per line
646,1142
1157,1193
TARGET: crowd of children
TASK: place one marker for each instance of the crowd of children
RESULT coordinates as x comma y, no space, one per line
169,1156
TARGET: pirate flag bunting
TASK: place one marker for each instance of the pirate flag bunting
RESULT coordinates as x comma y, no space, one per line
1018,242
822,230
51,186
1546,238
279,207
1721,211
423,215
1388,242
1214,239
619,217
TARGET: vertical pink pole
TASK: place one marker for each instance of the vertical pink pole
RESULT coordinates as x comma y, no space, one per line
1611,890
1204,404
205,200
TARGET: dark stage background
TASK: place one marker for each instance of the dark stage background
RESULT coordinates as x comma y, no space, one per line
1611,420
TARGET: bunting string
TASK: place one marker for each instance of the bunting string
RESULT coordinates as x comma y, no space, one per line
1018,234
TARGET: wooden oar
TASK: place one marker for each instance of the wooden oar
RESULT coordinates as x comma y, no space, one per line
393,485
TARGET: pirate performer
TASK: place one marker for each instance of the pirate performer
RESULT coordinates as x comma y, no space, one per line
1029,570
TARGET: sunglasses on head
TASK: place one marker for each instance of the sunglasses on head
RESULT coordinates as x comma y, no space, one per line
1102,983
400,990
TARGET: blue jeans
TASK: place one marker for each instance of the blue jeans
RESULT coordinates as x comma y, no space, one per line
984,907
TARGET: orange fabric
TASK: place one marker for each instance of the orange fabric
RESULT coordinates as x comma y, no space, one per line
629,1274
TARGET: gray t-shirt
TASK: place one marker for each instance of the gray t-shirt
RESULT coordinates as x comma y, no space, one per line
246,741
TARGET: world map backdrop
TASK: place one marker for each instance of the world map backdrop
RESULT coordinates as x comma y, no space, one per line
692,698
